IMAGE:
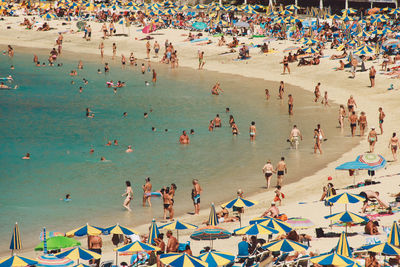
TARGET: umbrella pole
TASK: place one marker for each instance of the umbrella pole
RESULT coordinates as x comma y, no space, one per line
240,219
177,235
116,258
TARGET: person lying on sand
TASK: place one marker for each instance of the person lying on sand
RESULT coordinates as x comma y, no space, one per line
344,55
234,43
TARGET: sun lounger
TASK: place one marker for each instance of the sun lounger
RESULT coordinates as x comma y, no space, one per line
106,264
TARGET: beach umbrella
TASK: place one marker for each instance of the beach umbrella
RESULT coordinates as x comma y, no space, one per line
137,246
345,198
199,7
309,41
332,259
199,25
394,235
177,225
212,218
154,232
281,226
378,20
77,254
210,233
51,260
285,245
119,230
363,50
375,161
133,8
57,242
255,229
48,16
16,243
395,11
363,34
85,230
81,265
336,17
216,258
181,260
347,217
17,261
292,7
377,32
300,223
385,248
349,11
239,202
391,42
310,50
342,247
49,234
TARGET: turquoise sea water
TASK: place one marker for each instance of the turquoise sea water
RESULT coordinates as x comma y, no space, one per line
45,116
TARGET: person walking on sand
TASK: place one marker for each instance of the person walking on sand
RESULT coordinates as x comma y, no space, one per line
252,131
285,63
353,119
393,145
278,196
372,139
325,101
281,169
294,136
148,49
351,103
317,92
268,170
147,187
342,115
372,73
381,118
101,47
362,121
201,60
290,104
196,192
129,195
318,140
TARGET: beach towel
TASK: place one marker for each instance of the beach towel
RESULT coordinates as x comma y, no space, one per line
240,59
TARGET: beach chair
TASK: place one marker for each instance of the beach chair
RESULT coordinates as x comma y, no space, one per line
182,246
106,264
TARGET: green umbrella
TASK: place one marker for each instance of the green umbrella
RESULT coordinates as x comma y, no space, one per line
58,242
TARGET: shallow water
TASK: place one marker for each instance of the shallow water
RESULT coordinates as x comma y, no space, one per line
46,117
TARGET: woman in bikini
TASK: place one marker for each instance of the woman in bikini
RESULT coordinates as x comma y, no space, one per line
129,195
211,126
317,141
167,203
235,130
393,145
342,114
372,139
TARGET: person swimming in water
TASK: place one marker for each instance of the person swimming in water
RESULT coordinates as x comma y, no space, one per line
27,156
67,198
129,150
216,89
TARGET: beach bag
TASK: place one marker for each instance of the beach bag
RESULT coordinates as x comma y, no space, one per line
283,195
283,217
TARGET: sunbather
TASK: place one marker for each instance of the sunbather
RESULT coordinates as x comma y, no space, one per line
344,55
371,228
371,195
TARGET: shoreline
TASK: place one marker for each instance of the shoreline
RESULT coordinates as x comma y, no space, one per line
293,189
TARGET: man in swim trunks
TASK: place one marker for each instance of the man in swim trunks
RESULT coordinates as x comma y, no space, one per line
201,60
393,145
281,169
173,244
317,92
372,73
147,192
268,170
353,119
362,121
290,104
381,117
273,211
351,103
196,191
184,139
294,136
217,121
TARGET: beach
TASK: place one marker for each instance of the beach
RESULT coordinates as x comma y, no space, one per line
266,67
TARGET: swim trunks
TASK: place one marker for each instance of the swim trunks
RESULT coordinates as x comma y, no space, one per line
281,173
380,121
353,125
196,199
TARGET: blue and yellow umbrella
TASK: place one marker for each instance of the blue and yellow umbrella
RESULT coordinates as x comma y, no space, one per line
385,248
137,246
119,230
16,243
349,11
239,203
216,258
281,226
332,259
345,198
85,230
347,217
77,254
285,245
17,261
394,235
310,50
154,232
343,247
292,7
212,218
177,225
309,41
363,50
255,229
181,260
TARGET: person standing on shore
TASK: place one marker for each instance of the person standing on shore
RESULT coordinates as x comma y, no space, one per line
353,119
129,195
201,60
294,136
95,245
351,103
290,104
393,145
381,118
362,121
372,73
196,191
252,131
101,47
156,48
342,115
147,187
114,49
372,139
318,141
317,92
285,63
281,169
268,170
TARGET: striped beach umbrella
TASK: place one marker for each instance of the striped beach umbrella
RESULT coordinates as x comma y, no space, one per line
363,50
212,218
255,229
285,245
17,261
309,41
345,198
310,50
16,243
81,265
136,247
48,16
374,160
363,34
216,258
300,223
349,11
78,254
385,248
332,259
51,260
343,247
57,242
292,7
199,7
177,225
181,260
154,232
119,230
281,226
239,203
347,217
210,233
394,235
85,230
395,12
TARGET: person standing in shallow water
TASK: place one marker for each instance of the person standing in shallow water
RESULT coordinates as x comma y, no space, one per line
196,191
129,195
252,131
290,104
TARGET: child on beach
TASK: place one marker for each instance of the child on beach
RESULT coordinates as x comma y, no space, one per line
278,196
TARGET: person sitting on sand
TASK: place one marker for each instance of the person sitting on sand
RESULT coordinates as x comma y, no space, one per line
273,211
264,48
371,261
45,27
223,216
234,43
221,41
341,67
344,55
371,228
370,195
294,236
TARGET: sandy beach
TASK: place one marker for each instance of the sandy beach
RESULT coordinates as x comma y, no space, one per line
308,189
